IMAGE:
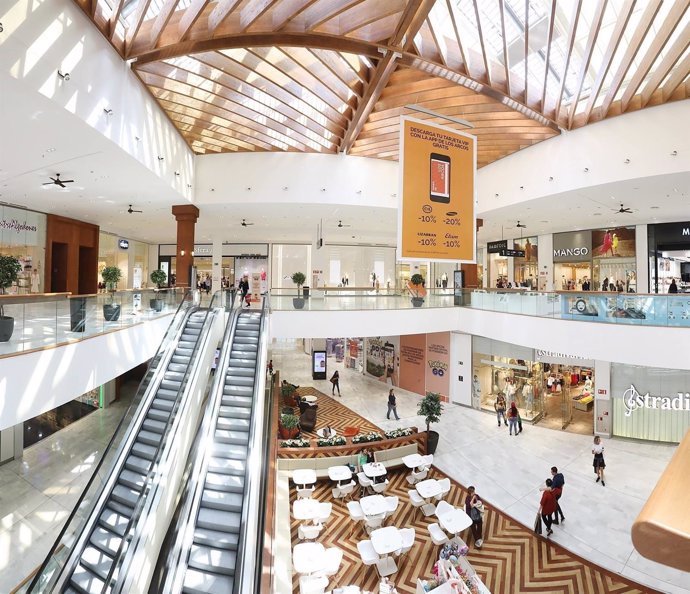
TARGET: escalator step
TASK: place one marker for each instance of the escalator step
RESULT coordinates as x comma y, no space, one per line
212,560
96,561
237,400
216,538
249,362
171,385
225,482
136,464
114,521
214,499
236,437
239,412
239,390
143,450
163,404
167,394
173,376
240,371
180,360
153,426
157,415
149,437
239,380
85,582
125,495
133,480
105,540
199,582
230,451
227,466
229,422
214,519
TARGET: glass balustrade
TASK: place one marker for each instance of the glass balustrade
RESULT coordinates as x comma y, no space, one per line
47,320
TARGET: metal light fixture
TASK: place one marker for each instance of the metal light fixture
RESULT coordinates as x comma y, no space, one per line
107,111
626,161
161,158
182,252
63,75
177,173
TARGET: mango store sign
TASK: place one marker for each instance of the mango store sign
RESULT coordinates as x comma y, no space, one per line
633,400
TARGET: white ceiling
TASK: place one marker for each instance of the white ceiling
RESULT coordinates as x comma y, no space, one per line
108,180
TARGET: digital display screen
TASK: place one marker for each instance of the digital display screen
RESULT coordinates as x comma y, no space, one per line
440,180
319,362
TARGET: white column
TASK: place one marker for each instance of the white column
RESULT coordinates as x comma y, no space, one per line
545,259
217,263
460,381
642,258
603,409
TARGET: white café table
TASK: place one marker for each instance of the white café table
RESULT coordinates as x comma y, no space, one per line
454,521
308,557
385,541
305,509
374,469
339,473
309,399
373,505
428,489
412,461
304,476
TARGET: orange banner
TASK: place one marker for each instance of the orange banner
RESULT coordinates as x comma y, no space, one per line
436,220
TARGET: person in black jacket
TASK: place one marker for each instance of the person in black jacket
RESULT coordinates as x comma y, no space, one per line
392,407
244,289
673,287
558,480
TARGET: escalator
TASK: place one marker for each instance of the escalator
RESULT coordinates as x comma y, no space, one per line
106,538
216,525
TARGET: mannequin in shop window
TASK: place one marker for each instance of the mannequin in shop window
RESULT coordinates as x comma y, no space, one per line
35,281
444,280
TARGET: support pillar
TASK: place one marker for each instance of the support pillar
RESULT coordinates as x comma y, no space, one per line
186,216
470,270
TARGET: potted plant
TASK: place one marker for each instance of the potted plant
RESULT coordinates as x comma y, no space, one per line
288,428
430,408
111,275
288,392
9,271
417,290
158,277
298,278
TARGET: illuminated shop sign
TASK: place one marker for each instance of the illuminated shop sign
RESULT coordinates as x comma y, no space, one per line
580,251
633,400
495,247
574,246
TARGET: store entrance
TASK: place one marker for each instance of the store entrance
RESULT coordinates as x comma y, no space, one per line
568,402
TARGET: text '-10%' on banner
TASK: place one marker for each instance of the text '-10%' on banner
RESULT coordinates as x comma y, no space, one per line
436,216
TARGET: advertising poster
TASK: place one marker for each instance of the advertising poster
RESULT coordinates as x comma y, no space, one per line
437,364
437,193
382,358
413,362
614,243
527,245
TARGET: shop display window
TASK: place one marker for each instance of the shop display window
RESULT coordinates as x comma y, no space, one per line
23,235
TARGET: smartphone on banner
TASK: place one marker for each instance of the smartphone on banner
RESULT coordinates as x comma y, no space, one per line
439,178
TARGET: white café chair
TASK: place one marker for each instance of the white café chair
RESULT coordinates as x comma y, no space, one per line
305,493
415,477
364,481
391,505
445,489
415,498
373,522
367,553
343,491
332,559
438,536
427,461
380,487
407,535
309,531
443,507
312,585
325,510
356,513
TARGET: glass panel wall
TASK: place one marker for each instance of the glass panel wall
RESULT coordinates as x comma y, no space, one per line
286,259
23,235
133,261
359,266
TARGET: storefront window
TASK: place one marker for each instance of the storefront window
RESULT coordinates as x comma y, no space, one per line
23,235
287,259
442,274
133,261
613,252
359,266
404,273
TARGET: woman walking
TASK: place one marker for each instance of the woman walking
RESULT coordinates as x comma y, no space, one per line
599,464
547,506
335,380
513,415
500,408
474,508
392,406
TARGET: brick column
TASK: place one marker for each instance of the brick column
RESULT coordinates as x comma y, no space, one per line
186,216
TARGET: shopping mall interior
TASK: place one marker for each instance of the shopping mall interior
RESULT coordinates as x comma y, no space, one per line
344,296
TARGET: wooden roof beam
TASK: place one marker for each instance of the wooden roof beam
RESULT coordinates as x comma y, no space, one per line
549,40
133,29
569,53
220,13
161,21
252,11
189,18
114,17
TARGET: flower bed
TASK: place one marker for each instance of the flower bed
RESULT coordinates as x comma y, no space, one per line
367,437
331,441
295,443
395,433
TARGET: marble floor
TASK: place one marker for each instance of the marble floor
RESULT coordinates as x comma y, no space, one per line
38,492
507,471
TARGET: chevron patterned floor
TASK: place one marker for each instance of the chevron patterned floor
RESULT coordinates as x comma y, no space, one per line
334,414
512,561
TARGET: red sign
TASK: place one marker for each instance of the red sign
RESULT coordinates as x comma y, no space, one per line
601,391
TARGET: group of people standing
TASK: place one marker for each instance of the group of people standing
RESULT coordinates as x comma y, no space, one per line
510,415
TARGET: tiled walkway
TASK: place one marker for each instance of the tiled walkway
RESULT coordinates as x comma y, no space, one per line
509,470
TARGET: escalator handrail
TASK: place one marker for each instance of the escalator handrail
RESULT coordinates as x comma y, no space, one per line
193,490
247,566
153,368
125,541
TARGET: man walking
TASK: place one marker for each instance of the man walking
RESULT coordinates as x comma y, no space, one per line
392,407
557,480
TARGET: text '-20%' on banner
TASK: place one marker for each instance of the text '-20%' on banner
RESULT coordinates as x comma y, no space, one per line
437,193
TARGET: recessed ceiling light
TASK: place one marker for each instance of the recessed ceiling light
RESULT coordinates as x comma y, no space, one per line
50,150
654,207
596,214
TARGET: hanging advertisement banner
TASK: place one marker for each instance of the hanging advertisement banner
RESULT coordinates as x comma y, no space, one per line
436,216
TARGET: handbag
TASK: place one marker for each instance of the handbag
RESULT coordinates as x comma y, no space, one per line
537,524
475,515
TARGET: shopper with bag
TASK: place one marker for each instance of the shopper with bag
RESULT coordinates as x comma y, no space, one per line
558,481
335,380
547,506
474,508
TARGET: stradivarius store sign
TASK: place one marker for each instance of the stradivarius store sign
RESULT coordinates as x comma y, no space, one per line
633,400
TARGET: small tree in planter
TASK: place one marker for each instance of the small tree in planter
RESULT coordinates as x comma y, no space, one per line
417,290
288,428
298,278
430,408
111,275
9,272
158,277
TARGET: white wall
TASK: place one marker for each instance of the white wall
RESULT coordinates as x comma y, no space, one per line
545,259
303,174
41,37
646,137
642,258
461,366
37,382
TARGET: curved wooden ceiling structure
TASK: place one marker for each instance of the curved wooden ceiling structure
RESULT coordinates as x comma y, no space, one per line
335,75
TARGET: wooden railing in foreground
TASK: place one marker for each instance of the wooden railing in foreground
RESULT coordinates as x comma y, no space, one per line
662,530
